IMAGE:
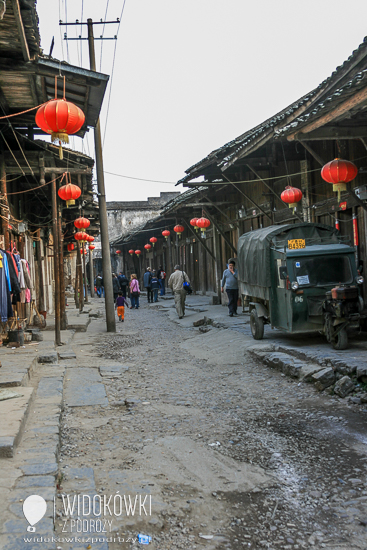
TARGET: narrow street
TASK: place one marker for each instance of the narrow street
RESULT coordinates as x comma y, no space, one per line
222,451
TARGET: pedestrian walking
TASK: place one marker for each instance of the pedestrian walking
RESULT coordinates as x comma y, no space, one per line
162,280
154,282
99,285
123,281
230,282
175,282
134,291
120,306
147,284
115,286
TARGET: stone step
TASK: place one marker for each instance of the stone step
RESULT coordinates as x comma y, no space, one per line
13,415
16,371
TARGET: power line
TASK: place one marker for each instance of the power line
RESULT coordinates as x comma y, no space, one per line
104,26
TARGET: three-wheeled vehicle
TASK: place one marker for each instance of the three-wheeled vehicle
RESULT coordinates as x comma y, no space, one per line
301,278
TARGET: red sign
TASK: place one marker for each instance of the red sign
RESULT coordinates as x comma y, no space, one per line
355,230
343,205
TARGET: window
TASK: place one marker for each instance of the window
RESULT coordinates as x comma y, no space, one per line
323,270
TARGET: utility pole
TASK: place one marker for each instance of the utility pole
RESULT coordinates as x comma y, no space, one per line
56,260
106,257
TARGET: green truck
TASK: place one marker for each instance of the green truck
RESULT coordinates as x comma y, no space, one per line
301,278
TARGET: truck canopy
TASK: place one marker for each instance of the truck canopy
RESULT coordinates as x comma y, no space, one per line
254,248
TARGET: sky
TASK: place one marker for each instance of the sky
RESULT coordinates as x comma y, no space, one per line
187,76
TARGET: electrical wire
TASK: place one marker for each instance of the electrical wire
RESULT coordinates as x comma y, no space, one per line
103,29
81,33
61,37
112,72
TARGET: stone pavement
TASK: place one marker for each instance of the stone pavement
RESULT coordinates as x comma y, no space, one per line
31,400
37,381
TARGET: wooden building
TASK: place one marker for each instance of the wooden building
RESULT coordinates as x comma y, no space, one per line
238,185
30,165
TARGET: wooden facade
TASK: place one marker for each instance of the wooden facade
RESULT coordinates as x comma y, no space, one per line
240,183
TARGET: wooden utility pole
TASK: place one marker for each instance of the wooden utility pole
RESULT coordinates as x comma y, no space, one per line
85,274
80,277
56,260
63,318
106,257
91,273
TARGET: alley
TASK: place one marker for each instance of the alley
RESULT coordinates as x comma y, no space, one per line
219,450
232,453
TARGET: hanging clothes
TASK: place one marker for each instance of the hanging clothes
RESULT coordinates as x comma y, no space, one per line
4,291
27,280
13,274
4,261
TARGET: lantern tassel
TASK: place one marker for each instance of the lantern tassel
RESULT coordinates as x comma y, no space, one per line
61,154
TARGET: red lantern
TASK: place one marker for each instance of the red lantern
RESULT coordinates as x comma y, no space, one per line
147,246
81,251
203,223
70,247
166,233
291,196
339,172
69,193
90,239
91,247
153,240
179,229
82,223
118,252
131,252
138,252
60,118
81,236
193,222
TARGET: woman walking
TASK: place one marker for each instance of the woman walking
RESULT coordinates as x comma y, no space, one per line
134,291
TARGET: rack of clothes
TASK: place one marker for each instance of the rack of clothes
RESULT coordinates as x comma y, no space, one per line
15,283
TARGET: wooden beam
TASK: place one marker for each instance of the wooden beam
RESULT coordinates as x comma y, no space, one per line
21,31
199,239
334,132
48,170
313,153
272,190
355,101
216,225
249,199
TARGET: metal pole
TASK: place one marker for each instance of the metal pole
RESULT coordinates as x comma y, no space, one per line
85,275
106,258
56,261
91,273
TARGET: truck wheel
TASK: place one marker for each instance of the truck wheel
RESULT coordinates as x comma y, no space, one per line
257,325
341,340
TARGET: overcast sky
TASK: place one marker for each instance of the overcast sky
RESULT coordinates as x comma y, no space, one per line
191,75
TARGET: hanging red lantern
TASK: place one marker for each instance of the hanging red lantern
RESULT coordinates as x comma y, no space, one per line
60,118
193,222
166,233
70,247
81,236
291,196
147,246
82,223
90,239
203,223
118,252
131,252
153,240
81,251
69,193
339,172
179,229
91,247
138,252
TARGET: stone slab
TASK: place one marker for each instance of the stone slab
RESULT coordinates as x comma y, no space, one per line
48,358
114,370
13,414
50,386
39,469
84,387
67,355
35,481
